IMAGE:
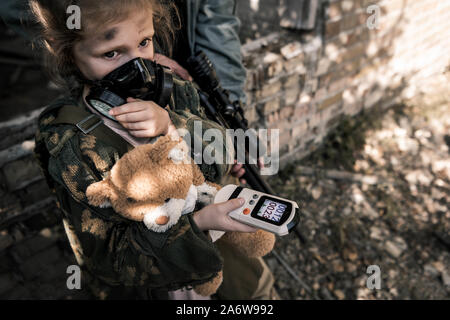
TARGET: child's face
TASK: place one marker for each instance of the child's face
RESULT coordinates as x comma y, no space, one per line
109,48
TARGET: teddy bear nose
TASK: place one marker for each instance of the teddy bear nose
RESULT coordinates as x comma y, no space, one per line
162,220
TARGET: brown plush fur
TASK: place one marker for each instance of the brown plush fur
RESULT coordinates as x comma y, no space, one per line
257,244
209,288
144,178
147,176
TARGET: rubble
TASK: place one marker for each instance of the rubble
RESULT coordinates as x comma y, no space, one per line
400,222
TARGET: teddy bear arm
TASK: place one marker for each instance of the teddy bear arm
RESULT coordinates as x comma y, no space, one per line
99,194
256,244
210,287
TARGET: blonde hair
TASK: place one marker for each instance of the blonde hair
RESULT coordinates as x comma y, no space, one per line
58,40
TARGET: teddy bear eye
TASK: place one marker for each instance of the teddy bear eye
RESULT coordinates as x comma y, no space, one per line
167,200
131,200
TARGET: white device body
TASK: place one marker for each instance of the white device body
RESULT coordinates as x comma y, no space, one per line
252,198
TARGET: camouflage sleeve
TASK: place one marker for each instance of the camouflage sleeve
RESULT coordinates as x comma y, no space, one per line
211,149
116,250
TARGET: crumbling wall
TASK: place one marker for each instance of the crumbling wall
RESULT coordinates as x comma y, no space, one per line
362,54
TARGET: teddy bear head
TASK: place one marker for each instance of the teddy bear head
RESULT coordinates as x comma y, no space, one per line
153,183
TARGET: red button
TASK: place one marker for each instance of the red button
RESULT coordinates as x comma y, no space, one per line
246,211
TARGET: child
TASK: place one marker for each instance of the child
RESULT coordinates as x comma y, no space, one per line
130,260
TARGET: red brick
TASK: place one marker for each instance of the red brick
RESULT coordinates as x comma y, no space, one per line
285,137
291,96
349,22
286,112
355,52
332,29
269,89
347,5
300,129
334,10
338,85
292,81
301,111
352,67
294,63
330,101
271,105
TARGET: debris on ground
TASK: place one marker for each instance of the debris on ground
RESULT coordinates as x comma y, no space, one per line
399,222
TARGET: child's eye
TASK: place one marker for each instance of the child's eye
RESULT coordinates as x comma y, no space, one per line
145,42
110,55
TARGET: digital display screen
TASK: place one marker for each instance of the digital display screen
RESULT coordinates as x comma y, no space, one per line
271,210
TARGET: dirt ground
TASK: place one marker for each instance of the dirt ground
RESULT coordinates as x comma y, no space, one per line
399,222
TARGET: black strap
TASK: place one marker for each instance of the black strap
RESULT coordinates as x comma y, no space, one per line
235,193
89,123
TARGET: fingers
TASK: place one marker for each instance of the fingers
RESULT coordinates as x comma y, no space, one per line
229,224
134,111
238,173
143,119
137,116
236,167
216,217
130,99
231,205
133,105
237,170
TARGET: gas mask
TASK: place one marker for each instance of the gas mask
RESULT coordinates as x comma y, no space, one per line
138,78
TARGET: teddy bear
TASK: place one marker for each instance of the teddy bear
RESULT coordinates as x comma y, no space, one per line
158,183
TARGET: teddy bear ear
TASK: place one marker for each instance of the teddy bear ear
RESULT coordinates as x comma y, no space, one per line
179,152
99,194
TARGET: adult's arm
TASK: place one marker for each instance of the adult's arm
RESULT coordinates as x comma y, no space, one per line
217,34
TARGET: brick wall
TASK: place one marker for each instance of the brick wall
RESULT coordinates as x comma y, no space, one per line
302,83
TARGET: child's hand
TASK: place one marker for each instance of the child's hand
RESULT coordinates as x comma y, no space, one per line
215,217
143,119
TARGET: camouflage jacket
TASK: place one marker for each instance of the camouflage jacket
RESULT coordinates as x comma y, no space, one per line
113,250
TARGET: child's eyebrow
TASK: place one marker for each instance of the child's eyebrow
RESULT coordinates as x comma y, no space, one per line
110,34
